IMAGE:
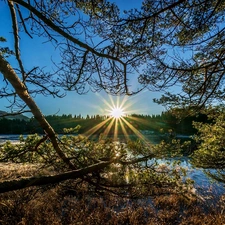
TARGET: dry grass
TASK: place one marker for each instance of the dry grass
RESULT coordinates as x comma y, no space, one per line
73,203
15,170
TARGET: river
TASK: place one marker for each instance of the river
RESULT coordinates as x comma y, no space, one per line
9,137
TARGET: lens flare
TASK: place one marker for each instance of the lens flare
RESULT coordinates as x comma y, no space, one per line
117,113
117,120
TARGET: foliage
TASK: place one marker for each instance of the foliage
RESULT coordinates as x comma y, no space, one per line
165,43
71,130
211,141
161,44
5,50
28,150
210,153
135,167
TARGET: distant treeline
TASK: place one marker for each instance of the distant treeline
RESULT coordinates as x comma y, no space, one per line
153,123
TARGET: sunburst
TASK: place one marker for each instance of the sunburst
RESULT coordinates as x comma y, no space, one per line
117,113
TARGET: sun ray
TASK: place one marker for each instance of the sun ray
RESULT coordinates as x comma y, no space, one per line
122,104
112,102
118,102
137,132
116,130
117,110
126,135
91,131
109,127
140,120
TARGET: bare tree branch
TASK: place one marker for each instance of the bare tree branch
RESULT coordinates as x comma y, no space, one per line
16,37
63,33
23,22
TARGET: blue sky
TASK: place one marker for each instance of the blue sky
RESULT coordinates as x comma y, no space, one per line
34,52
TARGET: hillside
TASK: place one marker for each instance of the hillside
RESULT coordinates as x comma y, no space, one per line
13,117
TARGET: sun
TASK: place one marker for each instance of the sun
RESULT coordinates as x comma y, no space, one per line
117,121
117,112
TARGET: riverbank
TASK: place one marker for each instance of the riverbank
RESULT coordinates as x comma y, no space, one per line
72,202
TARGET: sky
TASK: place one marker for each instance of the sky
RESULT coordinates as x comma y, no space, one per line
34,52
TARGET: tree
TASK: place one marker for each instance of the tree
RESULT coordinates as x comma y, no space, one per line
177,43
210,153
106,59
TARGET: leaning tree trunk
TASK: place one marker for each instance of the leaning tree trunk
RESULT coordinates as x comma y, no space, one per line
21,90
13,185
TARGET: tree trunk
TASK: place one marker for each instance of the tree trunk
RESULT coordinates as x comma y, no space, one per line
21,90
13,185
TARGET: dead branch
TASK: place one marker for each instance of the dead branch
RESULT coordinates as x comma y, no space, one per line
17,184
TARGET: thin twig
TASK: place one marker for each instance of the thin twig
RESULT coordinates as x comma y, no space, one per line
16,36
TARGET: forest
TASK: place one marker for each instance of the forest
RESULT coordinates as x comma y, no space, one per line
158,124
